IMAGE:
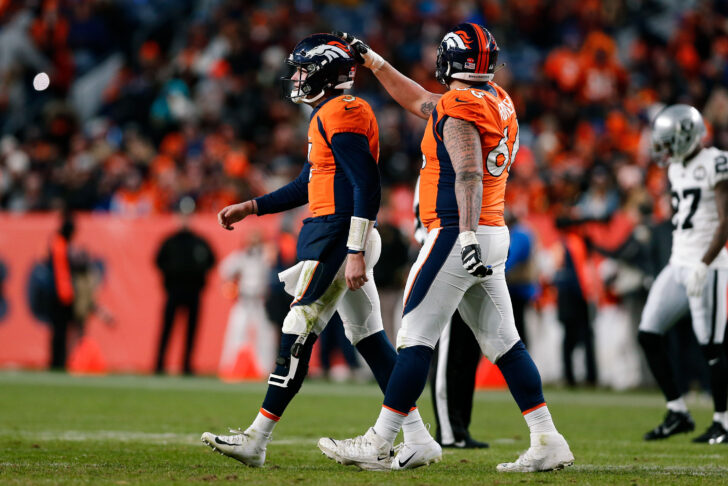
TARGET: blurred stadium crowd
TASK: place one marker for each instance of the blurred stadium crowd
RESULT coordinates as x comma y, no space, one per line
153,101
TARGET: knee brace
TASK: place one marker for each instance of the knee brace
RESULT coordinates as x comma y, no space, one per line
292,361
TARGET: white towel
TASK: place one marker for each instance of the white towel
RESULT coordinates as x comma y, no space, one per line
290,276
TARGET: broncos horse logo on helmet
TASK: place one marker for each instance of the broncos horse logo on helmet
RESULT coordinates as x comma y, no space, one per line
468,52
327,63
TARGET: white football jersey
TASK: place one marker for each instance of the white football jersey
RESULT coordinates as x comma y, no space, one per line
251,268
695,217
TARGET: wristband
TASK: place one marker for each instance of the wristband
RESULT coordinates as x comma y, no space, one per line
376,61
467,238
359,229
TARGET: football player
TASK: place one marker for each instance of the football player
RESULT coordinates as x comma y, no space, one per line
696,276
337,247
454,362
469,144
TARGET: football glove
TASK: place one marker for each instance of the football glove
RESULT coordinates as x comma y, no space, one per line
363,54
695,283
471,257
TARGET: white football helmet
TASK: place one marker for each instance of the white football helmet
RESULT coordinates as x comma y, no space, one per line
676,132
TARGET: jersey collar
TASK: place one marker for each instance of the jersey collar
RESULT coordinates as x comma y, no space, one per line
686,161
315,110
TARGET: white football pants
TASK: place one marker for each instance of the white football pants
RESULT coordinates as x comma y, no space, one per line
359,309
438,284
668,301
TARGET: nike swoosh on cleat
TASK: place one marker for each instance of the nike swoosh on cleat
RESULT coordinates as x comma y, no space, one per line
382,458
218,441
667,430
403,464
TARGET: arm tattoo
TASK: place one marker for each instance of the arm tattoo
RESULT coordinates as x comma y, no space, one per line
721,232
428,106
462,142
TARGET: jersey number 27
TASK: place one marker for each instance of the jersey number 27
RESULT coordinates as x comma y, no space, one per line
693,193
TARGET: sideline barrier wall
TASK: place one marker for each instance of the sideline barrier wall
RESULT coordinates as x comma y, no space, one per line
132,289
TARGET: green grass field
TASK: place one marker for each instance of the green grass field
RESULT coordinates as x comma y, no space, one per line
58,429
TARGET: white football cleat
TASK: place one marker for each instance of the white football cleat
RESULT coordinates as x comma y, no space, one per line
548,452
368,451
410,455
247,447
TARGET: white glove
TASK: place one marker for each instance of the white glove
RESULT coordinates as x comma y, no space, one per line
695,283
364,54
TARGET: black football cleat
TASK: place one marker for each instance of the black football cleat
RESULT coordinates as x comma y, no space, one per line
468,443
674,423
715,434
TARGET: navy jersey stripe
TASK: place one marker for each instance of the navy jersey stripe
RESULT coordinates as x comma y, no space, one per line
431,267
446,205
323,132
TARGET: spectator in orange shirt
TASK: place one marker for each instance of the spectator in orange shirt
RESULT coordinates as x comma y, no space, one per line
133,199
563,65
61,312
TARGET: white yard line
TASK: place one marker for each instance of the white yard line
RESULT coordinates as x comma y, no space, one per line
124,436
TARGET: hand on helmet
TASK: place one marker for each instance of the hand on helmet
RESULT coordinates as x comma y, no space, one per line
363,54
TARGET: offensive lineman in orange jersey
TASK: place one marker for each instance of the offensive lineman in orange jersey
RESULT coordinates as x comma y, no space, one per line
470,142
337,247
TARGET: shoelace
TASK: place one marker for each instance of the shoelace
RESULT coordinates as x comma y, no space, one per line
525,459
356,444
236,438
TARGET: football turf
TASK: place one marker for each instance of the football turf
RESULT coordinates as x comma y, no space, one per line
59,429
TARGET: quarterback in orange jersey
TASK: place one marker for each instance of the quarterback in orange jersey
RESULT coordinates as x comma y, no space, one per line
337,247
470,142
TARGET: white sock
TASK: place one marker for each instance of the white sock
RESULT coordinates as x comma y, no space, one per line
721,418
678,405
414,429
264,423
539,421
388,424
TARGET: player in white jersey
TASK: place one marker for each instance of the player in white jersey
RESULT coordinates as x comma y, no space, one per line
696,277
248,323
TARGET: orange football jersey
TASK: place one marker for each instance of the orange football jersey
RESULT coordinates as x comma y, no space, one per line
491,110
327,185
